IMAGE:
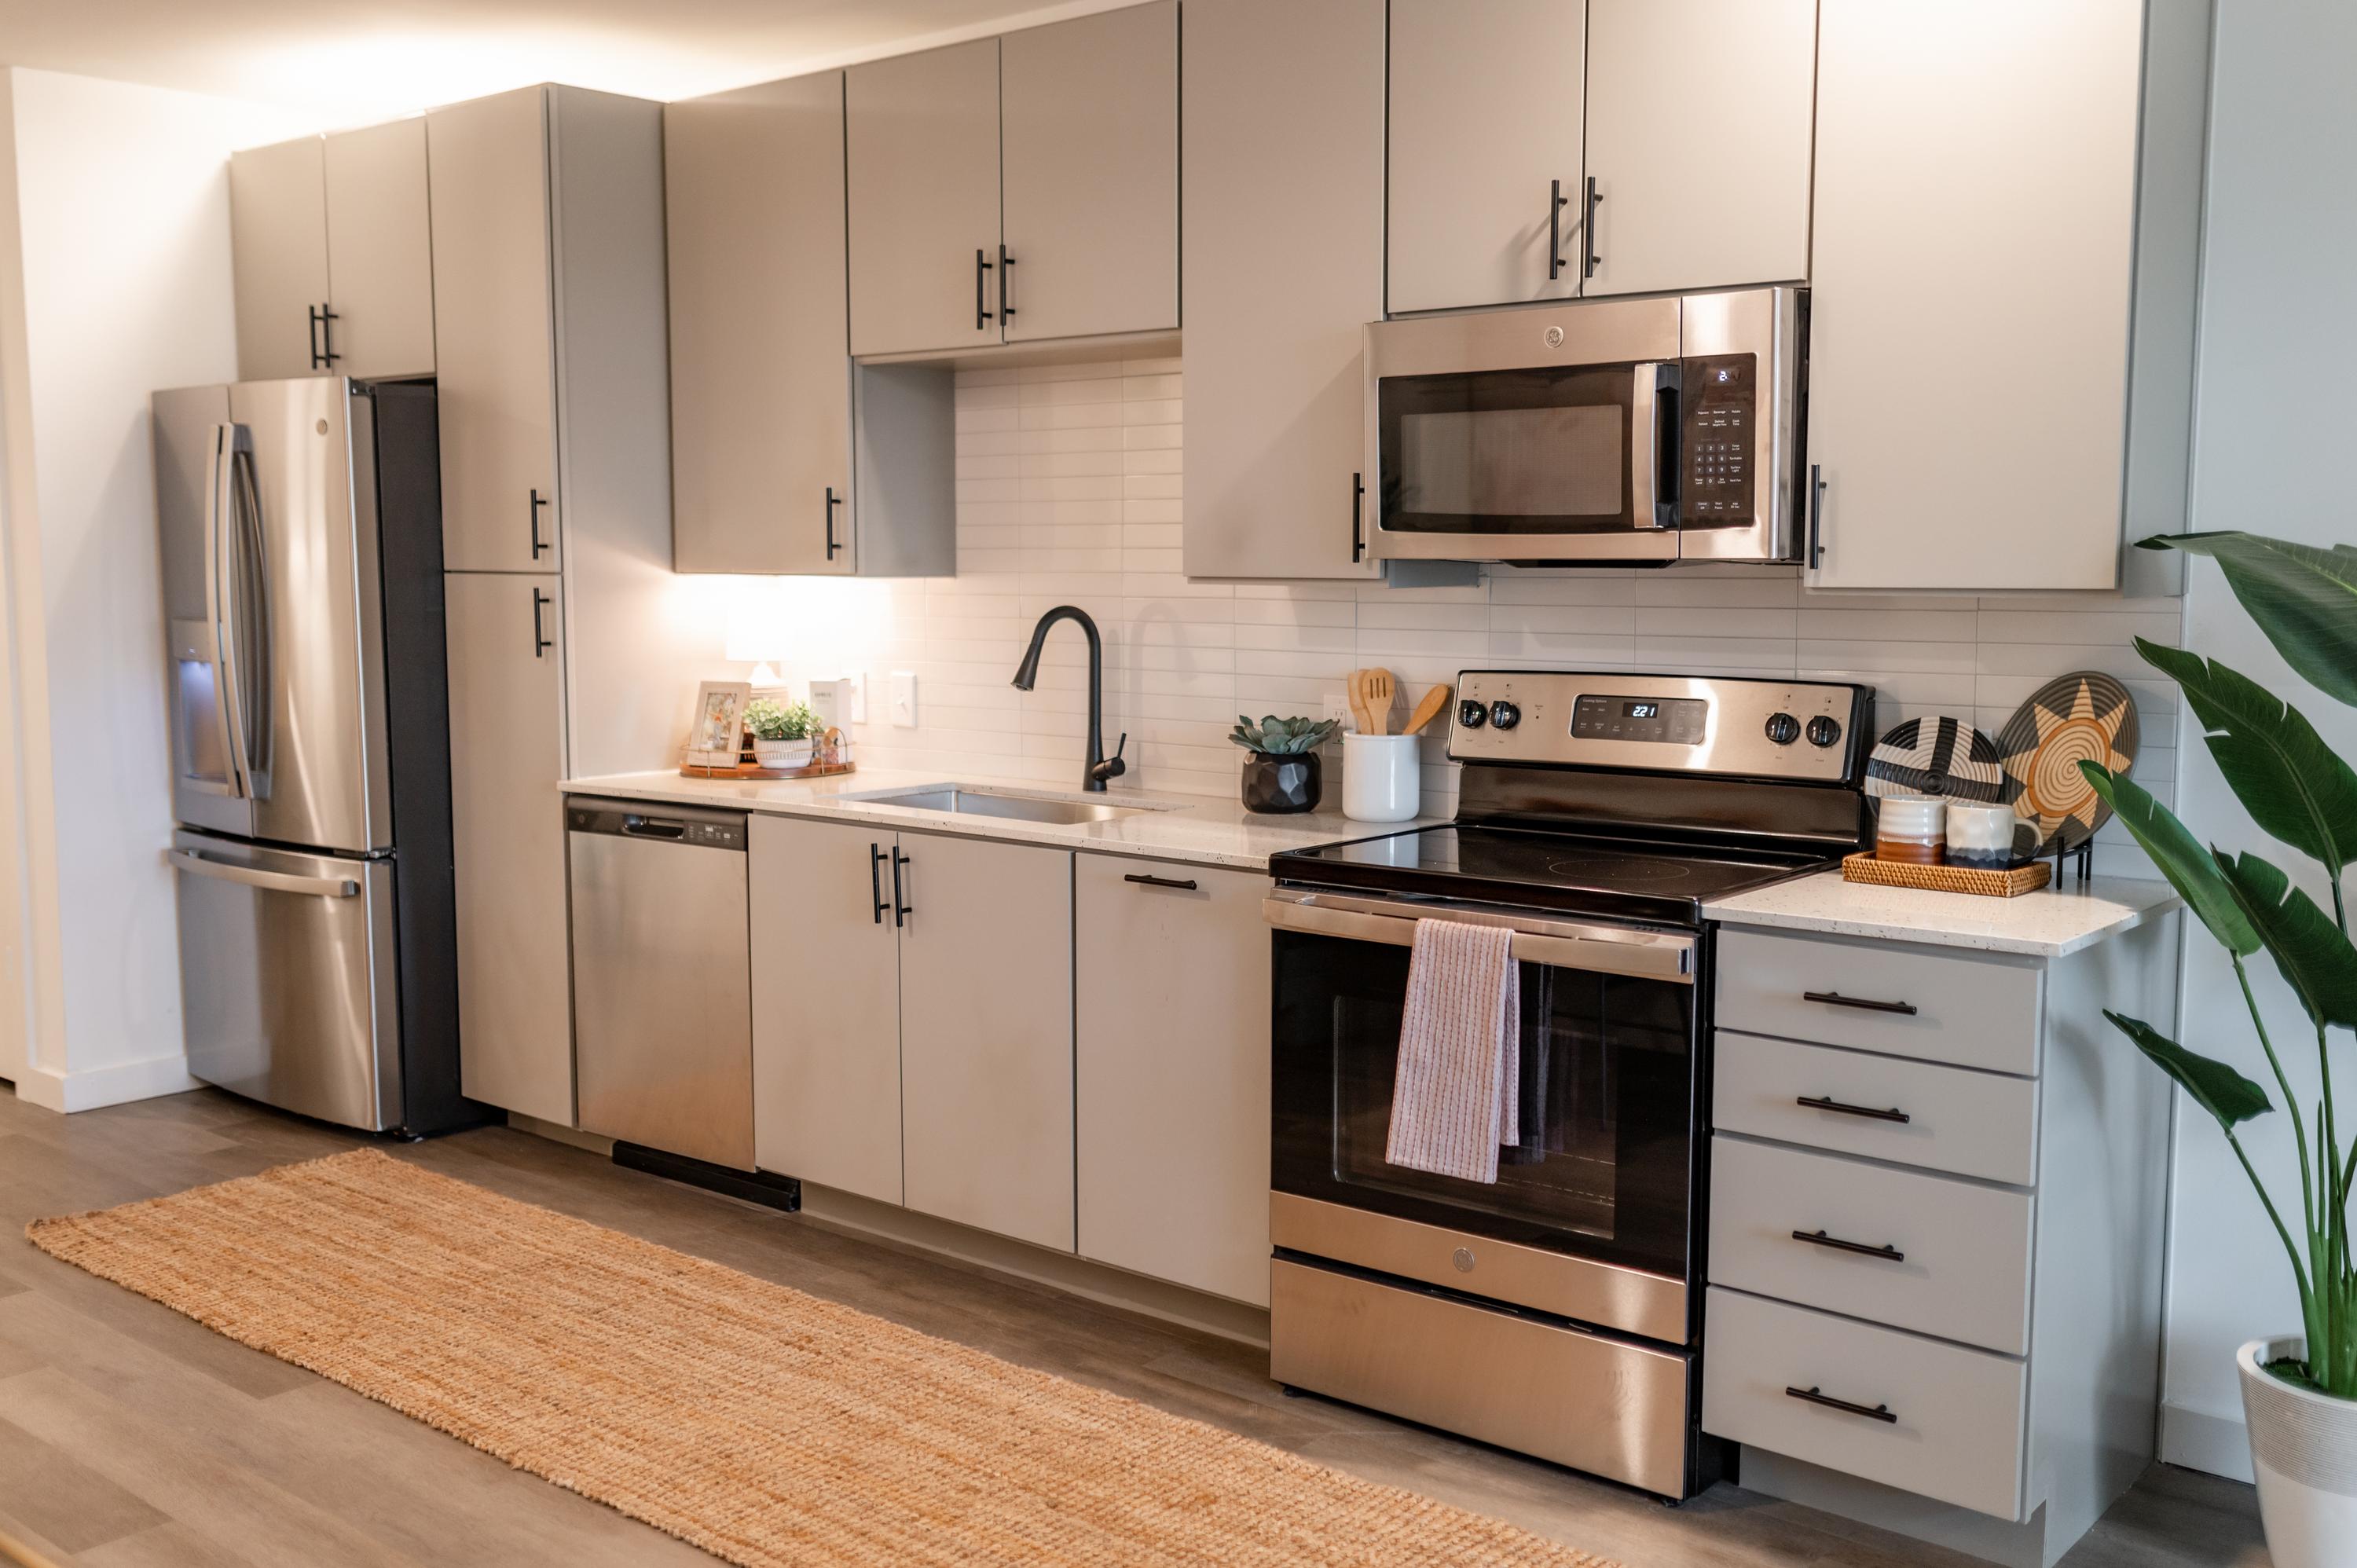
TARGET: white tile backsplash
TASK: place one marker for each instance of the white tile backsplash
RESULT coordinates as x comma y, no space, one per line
1069,491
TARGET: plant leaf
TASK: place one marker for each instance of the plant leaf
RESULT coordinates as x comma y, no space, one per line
2315,957
2215,1087
2295,787
2303,598
2180,856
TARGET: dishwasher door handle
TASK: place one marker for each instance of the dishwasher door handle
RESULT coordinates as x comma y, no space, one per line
654,827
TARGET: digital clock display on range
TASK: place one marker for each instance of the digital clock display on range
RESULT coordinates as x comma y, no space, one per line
1665,721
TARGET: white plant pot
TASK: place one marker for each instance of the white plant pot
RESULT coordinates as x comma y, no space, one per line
2304,1449
781,753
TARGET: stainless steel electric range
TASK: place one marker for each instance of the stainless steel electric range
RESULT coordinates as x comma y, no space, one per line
1559,1311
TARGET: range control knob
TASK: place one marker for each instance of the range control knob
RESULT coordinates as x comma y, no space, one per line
1823,731
1504,714
1783,728
1472,714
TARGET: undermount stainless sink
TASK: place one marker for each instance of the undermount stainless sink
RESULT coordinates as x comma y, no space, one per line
968,801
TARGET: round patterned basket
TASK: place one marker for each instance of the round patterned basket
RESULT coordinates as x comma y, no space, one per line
2085,716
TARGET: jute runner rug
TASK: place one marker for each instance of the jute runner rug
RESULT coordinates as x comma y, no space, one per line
763,1424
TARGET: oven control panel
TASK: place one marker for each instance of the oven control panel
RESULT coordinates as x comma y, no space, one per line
1800,730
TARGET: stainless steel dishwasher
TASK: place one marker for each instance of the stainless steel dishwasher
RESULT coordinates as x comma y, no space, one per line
662,982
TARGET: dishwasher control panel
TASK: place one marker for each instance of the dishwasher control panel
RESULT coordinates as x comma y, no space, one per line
693,828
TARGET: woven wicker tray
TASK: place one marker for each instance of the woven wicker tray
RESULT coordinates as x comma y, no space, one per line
2027,878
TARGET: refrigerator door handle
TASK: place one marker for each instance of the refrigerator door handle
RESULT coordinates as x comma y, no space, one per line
258,666
217,499
224,534
269,881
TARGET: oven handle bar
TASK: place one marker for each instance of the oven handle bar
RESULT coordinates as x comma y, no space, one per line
1603,949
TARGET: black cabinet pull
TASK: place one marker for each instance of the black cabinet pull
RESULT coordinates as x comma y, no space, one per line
1358,524
1819,1239
538,501
901,909
981,265
323,339
1828,1103
1006,286
1875,1412
1185,885
1816,515
832,501
1836,999
875,880
1556,203
313,311
1587,234
540,640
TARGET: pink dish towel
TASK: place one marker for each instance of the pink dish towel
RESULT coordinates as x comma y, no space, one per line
1456,1093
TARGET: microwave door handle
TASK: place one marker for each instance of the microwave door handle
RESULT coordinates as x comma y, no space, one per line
1652,503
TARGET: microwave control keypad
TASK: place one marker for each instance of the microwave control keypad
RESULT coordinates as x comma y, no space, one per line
1721,409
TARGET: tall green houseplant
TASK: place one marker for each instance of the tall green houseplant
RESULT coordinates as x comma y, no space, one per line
2299,791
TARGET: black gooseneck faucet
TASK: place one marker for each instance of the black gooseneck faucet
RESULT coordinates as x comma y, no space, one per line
1100,766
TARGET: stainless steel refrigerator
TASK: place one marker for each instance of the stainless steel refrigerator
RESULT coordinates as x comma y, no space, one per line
302,560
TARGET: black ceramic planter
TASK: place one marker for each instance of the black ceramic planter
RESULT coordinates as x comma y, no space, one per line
1275,785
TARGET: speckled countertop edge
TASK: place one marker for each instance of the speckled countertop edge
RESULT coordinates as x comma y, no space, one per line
2045,924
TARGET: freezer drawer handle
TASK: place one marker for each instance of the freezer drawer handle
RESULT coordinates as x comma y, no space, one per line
1836,999
1827,1102
1819,1239
1875,1412
269,881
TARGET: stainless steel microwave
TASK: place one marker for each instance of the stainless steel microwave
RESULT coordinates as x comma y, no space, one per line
1630,431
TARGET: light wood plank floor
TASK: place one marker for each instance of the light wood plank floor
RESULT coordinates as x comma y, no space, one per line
132,1438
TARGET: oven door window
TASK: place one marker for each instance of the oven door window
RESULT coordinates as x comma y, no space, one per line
1607,1114
1536,451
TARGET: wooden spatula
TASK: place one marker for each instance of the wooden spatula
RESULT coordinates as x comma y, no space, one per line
1427,710
1374,690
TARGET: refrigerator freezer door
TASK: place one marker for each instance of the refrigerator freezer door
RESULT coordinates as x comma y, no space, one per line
287,981
208,790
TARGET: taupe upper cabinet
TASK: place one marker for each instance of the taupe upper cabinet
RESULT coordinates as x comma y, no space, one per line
1699,141
1283,123
760,372
1090,114
1972,437
922,158
1487,206
328,239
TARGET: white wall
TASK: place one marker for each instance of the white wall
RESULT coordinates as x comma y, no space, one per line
2278,325
117,283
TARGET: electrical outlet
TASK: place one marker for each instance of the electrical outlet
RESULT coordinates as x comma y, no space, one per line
1338,708
904,699
855,697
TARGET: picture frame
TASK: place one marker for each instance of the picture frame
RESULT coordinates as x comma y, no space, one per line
716,734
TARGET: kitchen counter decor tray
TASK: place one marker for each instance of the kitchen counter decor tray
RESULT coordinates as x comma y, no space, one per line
1988,884
754,771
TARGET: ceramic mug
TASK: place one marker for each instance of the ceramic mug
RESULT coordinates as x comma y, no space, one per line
1987,835
1382,778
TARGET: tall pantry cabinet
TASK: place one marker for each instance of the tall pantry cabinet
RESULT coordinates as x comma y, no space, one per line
571,650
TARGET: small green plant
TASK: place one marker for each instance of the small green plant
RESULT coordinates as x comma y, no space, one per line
1273,736
770,719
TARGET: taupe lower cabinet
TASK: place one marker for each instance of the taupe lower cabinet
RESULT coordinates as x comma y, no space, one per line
912,1021
329,238
507,825
1018,187
1283,268
1171,1067
1487,206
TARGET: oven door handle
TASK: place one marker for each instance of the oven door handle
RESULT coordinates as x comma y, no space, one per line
1649,955
1653,482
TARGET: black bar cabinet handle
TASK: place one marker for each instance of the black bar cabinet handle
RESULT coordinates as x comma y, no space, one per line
538,501
540,643
1828,1103
901,907
1816,515
832,501
1587,235
981,265
1819,1239
313,312
1814,1396
1836,999
1185,885
875,880
1358,517
328,355
1556,203
1005,285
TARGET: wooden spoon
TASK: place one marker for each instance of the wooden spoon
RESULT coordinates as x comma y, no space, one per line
1354,683
1429,709
1377,691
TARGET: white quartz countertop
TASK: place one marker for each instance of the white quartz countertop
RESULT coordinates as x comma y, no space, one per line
1205,830
2046,924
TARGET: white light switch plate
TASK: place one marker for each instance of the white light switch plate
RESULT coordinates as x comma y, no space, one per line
855,697
904,699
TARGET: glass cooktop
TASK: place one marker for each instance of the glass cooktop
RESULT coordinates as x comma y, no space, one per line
1633,879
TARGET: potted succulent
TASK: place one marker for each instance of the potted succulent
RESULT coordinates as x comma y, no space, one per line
782,735
2300,1391
1281,761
